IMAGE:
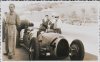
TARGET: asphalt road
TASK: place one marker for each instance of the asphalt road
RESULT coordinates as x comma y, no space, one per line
22,55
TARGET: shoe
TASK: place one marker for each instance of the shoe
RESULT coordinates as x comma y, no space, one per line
5,53
9,57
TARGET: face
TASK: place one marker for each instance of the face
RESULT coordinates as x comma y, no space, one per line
47,17
11,8
5,13
56,18
53,17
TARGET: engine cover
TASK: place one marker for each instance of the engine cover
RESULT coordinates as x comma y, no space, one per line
57,44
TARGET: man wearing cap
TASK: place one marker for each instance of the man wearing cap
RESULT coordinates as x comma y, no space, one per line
44,24
12,23
56,23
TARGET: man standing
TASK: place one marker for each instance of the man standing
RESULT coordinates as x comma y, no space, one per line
12,23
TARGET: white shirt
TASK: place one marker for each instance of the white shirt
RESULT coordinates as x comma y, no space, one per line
57,24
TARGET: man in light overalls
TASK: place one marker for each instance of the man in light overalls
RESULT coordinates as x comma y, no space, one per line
12,22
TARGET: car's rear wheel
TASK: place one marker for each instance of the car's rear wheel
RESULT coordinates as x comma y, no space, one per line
32,50
77,50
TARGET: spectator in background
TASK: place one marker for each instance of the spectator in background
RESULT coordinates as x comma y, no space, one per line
3,26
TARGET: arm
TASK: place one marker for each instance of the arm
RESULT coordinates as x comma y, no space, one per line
18,22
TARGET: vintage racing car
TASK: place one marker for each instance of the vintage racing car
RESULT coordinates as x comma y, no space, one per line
50,44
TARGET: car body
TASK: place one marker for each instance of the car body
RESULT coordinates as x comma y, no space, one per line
51,44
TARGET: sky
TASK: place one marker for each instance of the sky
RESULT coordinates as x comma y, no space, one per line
20,5
67,8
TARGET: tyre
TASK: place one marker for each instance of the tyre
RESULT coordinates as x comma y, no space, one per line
18,40
77,50
33,55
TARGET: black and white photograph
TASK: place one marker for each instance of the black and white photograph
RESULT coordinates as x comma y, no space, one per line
50,31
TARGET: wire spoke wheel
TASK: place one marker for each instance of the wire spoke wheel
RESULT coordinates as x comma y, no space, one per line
32,49
31,53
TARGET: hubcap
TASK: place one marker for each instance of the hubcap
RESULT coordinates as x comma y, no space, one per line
74,50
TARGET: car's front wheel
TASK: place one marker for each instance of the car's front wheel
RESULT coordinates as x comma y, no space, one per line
77,50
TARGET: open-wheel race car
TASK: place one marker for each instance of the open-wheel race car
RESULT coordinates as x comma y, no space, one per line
51,44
